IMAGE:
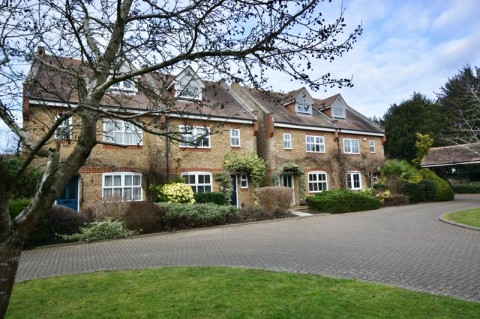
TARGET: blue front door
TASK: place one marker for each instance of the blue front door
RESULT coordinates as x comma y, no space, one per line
233,199
69,196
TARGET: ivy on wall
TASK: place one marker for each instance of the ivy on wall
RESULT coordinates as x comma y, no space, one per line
248,163
291,168
226,185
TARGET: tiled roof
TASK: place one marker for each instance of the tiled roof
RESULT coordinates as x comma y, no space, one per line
50,85
274,102
452,155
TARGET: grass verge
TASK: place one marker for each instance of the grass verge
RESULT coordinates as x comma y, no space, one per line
194,292
469,217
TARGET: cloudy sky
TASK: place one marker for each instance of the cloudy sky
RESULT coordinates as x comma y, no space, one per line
406,46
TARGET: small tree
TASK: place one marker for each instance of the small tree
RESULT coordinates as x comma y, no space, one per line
395,172
423,143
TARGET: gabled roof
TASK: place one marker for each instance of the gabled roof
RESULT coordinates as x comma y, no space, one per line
49,85
274,102
452,155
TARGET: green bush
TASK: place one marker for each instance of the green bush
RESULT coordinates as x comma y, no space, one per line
423,191
466,189
395,200
256,213
144,217
58,220
103,229
175,193
212,197
16,205
342,201
443,191
184,216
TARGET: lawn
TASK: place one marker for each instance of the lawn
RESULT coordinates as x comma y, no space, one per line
469,217
189,292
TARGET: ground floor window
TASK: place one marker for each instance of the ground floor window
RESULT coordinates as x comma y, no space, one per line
200,182
317,182
122,185
354,180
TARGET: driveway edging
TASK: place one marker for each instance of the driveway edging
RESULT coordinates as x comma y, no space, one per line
443,219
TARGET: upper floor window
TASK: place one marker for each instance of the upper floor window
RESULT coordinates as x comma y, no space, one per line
371,146
338,112
195,136
351,146
127,186
188,91
304,109
287,141
235,137
64,130
315,144
126,86
121,132
317,182
200,182
354,180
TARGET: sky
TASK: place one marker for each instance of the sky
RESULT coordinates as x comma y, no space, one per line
407,46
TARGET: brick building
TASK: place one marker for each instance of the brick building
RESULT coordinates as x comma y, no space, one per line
325,141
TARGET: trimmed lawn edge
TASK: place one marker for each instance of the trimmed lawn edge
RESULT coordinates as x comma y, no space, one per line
443,219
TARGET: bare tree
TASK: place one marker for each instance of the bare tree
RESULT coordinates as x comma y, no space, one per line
460,100
127,41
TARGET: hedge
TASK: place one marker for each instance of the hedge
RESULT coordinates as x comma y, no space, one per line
343,201
184,216
443,191
466,189
212,197
423,191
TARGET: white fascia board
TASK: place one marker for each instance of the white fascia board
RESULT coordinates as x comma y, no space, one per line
451,164
211,118
304,127
50,103
361,132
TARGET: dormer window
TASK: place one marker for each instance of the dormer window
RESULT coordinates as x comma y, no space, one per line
338,112
123,87
188,91
303,108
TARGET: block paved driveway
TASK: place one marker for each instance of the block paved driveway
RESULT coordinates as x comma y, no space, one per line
399,246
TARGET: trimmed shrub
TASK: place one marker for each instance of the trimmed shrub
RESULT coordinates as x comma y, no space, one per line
443,191
16,205
175,193
113,208
212,197
396,200
342,201
58,221
184,216
256,213
275,199
144,217
423,191
104,229
466,189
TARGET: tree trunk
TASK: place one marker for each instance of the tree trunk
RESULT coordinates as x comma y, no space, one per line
10,251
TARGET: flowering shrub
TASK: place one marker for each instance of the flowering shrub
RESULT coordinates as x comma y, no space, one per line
176,193
249,163
98,230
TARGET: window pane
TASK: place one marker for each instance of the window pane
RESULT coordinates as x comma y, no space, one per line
107,192
108,180
117,180
137,193
207,179
208,189
127,194
136,180
117,192
128,180
201,179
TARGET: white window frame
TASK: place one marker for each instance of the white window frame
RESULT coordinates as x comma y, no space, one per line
198,182
371,146
243,180
338,112
127,86
303,109
190,136
287,141
317,182
122,132
312,142
235,139
188,92
64,130
351,180
124,186
349,147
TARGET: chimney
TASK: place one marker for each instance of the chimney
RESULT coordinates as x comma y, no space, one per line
40,50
